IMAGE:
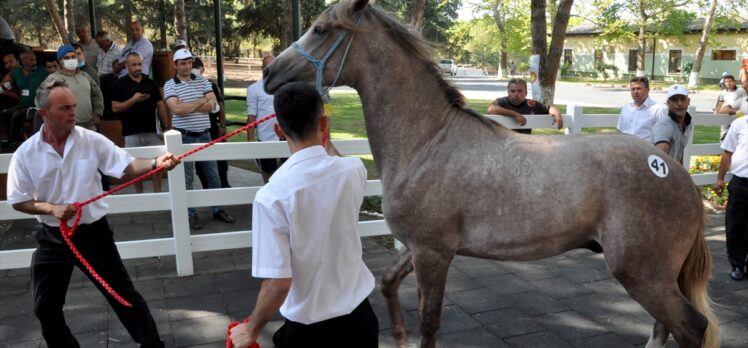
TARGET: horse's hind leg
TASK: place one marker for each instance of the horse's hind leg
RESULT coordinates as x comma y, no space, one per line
431,274
659,336
390,283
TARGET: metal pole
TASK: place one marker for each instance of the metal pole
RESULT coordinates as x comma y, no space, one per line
296,28
654,48
92,16
219,43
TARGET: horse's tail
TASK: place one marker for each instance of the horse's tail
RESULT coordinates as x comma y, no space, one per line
694,283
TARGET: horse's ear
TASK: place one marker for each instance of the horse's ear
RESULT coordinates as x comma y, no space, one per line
359,5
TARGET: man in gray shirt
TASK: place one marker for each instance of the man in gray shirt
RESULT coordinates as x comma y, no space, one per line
672,130
89,46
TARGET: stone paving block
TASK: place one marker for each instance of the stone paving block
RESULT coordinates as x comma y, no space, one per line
92,319
165,268
508,322
583,274
190,286
734,334
197,306
18,304
454,319
239,301
15,285
86,296
632,329
560,288
471,338
93,339
530,270
505,284
535,303
237,280
380,310
22,328
606,340
538,339
200,331
211,265
151,289
479,300
609,287
481,269
25,344
413,341
594,305
571,325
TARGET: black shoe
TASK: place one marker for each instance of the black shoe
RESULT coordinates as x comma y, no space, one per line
195,223
222,216
737,273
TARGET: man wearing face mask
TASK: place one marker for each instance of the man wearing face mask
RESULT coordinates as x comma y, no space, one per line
90,102
27,78
83,65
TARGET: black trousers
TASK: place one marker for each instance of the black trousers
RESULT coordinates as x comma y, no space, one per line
51,268
736,222
359,329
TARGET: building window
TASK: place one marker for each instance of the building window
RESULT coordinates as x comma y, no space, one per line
724,54
633,58
567,57
674,61
598,57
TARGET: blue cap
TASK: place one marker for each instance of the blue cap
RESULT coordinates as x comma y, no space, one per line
63,50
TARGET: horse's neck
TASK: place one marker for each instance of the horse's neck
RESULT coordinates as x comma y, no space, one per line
404,109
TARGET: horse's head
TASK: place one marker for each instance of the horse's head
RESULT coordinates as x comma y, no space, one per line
321,51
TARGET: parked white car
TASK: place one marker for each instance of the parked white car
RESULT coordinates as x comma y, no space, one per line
448,66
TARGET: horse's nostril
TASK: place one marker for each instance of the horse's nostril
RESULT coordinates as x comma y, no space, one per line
265,72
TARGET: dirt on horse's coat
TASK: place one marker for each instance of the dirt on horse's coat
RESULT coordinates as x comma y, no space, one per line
511,196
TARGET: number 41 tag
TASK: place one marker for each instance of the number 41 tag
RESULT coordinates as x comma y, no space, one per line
658,166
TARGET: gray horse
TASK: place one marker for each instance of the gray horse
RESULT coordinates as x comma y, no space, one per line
456,183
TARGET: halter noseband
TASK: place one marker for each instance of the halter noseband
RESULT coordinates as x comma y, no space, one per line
320,63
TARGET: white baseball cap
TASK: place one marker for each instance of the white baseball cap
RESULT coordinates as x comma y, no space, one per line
182,53
676,90
180,42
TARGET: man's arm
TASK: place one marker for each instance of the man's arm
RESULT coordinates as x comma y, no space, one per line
664,146
556,114
724,165
272,294
495,109
251,131
33,207
140,166
727,109
181,108
163,115
118,106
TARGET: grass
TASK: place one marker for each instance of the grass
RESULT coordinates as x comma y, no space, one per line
347,122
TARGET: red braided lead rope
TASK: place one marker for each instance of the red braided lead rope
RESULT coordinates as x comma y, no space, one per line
228,334
67,232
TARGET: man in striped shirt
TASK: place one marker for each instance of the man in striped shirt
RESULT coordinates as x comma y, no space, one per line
190,98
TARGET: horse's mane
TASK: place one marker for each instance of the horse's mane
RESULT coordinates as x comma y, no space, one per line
409,40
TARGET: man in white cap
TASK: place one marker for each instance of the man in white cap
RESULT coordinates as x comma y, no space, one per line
179,44
670,133
190,98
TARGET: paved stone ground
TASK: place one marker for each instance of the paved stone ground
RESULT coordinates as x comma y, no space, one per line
566,301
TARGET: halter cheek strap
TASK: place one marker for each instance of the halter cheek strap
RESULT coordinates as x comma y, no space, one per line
319,64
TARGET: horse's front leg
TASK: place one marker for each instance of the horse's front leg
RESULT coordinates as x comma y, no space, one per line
431,275
390,284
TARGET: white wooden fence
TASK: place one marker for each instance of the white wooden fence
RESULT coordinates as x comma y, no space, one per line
182,244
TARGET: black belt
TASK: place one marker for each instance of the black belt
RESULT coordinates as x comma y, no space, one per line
191,133
739,179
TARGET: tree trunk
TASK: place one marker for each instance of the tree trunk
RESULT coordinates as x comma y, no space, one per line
126,16
180,22
642,39
69,20
693,78
539,41
550,60
497,16
287,36
416,15
162,24
52,9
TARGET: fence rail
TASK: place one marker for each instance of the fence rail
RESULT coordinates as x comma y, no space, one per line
182,244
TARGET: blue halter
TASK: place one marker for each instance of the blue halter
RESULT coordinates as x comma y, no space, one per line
320,64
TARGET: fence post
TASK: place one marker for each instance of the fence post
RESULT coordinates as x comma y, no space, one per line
178,196
575,111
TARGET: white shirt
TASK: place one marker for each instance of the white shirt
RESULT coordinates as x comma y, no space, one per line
304,227
260,104
639,121
37,172
731,97
740,104
736,141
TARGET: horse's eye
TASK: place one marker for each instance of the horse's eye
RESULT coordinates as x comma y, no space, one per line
318,30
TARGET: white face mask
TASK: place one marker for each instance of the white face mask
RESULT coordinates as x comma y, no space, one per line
70,64
196,72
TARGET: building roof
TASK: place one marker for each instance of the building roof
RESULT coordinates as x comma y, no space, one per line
696,26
